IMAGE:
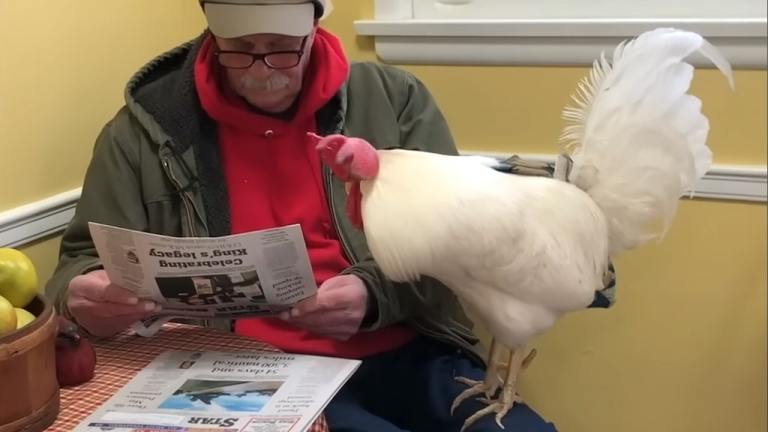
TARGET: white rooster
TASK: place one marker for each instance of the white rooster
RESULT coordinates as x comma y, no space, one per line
521,251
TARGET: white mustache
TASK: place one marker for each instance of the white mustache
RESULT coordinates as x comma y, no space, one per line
276,81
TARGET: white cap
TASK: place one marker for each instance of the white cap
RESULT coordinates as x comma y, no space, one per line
236,18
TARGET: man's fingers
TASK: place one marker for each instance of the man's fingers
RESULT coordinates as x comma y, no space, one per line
335,330
111,310
317,304
335,311
305,307
103,308
310,318
324,319
115,294
100,293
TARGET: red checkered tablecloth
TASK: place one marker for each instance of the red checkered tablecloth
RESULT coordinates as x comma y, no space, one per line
120,358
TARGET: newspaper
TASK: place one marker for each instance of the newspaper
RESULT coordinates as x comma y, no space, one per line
251,274
223,391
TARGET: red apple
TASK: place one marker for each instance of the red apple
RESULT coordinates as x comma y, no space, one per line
75,357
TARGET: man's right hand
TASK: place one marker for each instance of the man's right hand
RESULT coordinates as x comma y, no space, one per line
102,308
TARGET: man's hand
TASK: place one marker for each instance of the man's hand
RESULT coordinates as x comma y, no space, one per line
336,311
102,308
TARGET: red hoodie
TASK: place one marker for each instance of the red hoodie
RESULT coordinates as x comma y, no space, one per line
274,179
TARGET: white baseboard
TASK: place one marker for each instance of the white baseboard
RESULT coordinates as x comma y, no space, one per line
51,215
734,183
32,221
548,42
727,182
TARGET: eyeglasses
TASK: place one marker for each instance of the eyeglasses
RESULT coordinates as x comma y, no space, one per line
273,60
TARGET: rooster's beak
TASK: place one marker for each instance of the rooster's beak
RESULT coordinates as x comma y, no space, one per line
347,186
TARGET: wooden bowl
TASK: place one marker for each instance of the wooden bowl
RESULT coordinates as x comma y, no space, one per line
29,391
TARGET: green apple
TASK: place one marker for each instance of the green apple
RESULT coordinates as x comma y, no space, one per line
23,317
7,316
18,278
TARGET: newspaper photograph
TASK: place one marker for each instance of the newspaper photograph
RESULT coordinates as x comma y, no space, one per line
224,391
251,274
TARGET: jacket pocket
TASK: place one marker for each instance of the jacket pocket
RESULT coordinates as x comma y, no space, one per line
164,215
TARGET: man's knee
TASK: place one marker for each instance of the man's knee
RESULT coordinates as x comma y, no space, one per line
350,416
520,417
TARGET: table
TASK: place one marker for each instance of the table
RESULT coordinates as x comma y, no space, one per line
120,358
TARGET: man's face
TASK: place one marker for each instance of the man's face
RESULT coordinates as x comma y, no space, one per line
268,89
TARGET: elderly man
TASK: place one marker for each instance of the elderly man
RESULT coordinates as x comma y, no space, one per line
213,140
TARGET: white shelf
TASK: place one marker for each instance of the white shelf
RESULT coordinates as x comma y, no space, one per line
548,41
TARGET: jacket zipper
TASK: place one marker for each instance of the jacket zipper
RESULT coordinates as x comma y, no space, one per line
189,207
186,197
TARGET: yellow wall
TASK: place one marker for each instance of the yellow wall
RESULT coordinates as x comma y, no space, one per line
517,109
684,349
62,75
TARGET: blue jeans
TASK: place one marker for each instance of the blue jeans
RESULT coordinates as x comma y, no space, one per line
411,389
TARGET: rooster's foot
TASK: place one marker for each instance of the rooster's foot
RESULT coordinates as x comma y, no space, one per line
475,388
517,363
499,406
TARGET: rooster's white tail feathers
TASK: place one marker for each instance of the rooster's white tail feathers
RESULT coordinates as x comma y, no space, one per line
638,141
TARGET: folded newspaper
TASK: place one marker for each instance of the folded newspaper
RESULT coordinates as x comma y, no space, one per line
251,274
223,391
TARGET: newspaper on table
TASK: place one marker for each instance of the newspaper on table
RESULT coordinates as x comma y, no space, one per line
251,274
224,391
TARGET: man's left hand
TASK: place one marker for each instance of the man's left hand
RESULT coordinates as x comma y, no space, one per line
336,311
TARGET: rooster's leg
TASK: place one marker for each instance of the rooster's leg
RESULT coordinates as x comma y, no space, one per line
488,386
518,361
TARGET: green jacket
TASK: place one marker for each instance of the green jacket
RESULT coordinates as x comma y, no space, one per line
156,168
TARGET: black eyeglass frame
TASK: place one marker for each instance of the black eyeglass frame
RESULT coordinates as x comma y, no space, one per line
263,57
